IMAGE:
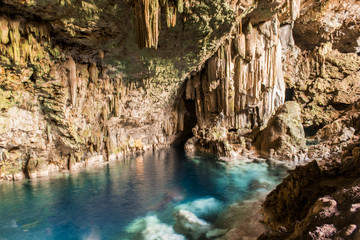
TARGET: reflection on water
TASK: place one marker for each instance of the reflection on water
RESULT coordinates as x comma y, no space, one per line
130,198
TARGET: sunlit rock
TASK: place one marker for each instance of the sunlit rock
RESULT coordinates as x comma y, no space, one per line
284,136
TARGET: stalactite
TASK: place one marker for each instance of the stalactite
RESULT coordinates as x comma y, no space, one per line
147,22
71,66
189,90
147,18
171,10
180,6
15,41
294,9
228,107
101,55
243,86
93,72
117,109
4,31
250,42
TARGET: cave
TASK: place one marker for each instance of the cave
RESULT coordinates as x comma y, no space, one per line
289,94
179,119
310,131
340,106
190,122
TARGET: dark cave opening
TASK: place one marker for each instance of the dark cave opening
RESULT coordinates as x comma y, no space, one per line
190,122
310,131
289,94
340,106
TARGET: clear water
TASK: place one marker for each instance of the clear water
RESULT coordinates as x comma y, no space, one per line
129,199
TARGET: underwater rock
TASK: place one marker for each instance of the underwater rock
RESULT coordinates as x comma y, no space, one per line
203,207
151,228
190,225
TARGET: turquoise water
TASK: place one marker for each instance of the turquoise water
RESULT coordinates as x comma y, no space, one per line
129,199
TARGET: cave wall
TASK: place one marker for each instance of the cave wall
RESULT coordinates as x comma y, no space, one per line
325,82
58,113
320,59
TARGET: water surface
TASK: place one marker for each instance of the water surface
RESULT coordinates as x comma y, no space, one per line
126,199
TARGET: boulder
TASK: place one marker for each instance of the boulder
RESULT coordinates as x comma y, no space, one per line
319,200
284,135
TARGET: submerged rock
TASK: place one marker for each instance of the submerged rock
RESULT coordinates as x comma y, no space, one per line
151,228
202,207
190,225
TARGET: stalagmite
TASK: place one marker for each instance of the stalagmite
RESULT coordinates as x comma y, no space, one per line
4,31
170,14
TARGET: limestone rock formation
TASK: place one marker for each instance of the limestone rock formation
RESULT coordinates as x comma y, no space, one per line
116,27
325,83
284,135
320,60
332,21
100,86
319,200
83,82
240,87
243,81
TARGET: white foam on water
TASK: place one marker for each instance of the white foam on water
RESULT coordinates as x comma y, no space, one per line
13,224
202,207
151,228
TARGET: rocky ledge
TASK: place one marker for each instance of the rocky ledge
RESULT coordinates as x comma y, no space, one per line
321,199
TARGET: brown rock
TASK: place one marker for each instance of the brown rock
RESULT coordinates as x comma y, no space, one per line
284,133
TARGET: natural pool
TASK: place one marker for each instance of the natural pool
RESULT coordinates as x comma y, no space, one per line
131,199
